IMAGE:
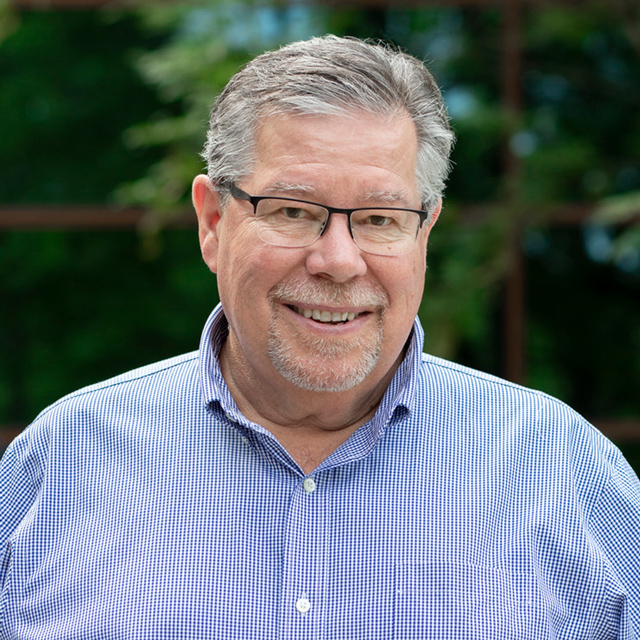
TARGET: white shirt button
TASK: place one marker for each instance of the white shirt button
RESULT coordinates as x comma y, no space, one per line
303,605
309,485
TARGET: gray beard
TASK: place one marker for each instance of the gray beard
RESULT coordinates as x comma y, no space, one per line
333,373
329,369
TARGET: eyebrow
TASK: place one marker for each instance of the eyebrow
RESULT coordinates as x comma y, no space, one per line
288,188
308,191
388,197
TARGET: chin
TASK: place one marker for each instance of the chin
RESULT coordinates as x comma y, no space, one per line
315,363
324,374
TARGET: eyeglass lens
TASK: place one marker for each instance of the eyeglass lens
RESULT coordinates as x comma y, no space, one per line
288,223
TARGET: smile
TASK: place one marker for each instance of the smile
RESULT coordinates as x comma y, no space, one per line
326,316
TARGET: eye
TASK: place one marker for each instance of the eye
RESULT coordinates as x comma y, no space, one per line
299,213
277,211
293,213
379,221
382,225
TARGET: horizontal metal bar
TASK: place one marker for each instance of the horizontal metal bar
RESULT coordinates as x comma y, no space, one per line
82,217
103,217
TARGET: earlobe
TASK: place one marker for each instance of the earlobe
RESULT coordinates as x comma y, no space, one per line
206,202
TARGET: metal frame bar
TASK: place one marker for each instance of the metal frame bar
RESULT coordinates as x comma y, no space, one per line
81,217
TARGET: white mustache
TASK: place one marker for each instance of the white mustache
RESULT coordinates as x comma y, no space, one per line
310,293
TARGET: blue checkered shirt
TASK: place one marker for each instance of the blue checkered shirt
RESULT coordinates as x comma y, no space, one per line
149,507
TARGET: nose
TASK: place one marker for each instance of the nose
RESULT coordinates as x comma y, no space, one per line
334,254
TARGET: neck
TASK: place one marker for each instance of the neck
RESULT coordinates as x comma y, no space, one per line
310,425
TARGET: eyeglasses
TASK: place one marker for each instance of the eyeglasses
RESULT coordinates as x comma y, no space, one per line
285,222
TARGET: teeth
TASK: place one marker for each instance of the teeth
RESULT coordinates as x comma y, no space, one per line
327,316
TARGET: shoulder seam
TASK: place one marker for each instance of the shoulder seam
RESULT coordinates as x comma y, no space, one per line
122,379
486,377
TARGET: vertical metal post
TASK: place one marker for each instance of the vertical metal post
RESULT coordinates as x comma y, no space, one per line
514,310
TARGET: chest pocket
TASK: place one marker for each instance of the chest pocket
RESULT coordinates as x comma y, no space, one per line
460,602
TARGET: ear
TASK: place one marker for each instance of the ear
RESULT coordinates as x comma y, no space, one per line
426,230
206,201
434,216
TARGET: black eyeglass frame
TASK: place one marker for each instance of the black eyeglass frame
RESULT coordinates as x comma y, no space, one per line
254,200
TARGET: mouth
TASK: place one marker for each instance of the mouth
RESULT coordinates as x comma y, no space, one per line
327,317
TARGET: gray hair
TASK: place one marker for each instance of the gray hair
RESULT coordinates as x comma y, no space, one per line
329,76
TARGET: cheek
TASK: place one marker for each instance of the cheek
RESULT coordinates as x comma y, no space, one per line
407,293
246,274
413,298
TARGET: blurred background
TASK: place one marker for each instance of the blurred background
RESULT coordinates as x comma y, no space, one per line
534,268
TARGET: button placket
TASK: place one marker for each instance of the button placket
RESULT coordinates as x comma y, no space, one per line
304,563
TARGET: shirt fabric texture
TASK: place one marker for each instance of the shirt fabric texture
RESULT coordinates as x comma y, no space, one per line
148,507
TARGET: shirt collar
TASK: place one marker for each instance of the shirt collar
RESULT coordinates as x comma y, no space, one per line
400,393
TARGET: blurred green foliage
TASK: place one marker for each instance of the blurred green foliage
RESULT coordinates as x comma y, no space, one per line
78,306
111,106
67,94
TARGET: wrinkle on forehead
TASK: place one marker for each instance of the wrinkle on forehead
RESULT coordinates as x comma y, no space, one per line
386,196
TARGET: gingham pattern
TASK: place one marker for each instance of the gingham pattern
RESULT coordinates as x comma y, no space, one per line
148,507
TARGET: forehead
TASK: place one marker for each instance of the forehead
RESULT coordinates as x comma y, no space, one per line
315,154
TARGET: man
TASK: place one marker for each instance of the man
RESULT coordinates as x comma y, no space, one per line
309,473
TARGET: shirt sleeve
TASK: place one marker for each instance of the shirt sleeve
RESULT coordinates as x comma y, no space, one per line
21,473
615,524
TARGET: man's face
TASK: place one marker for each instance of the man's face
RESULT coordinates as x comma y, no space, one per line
268,292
